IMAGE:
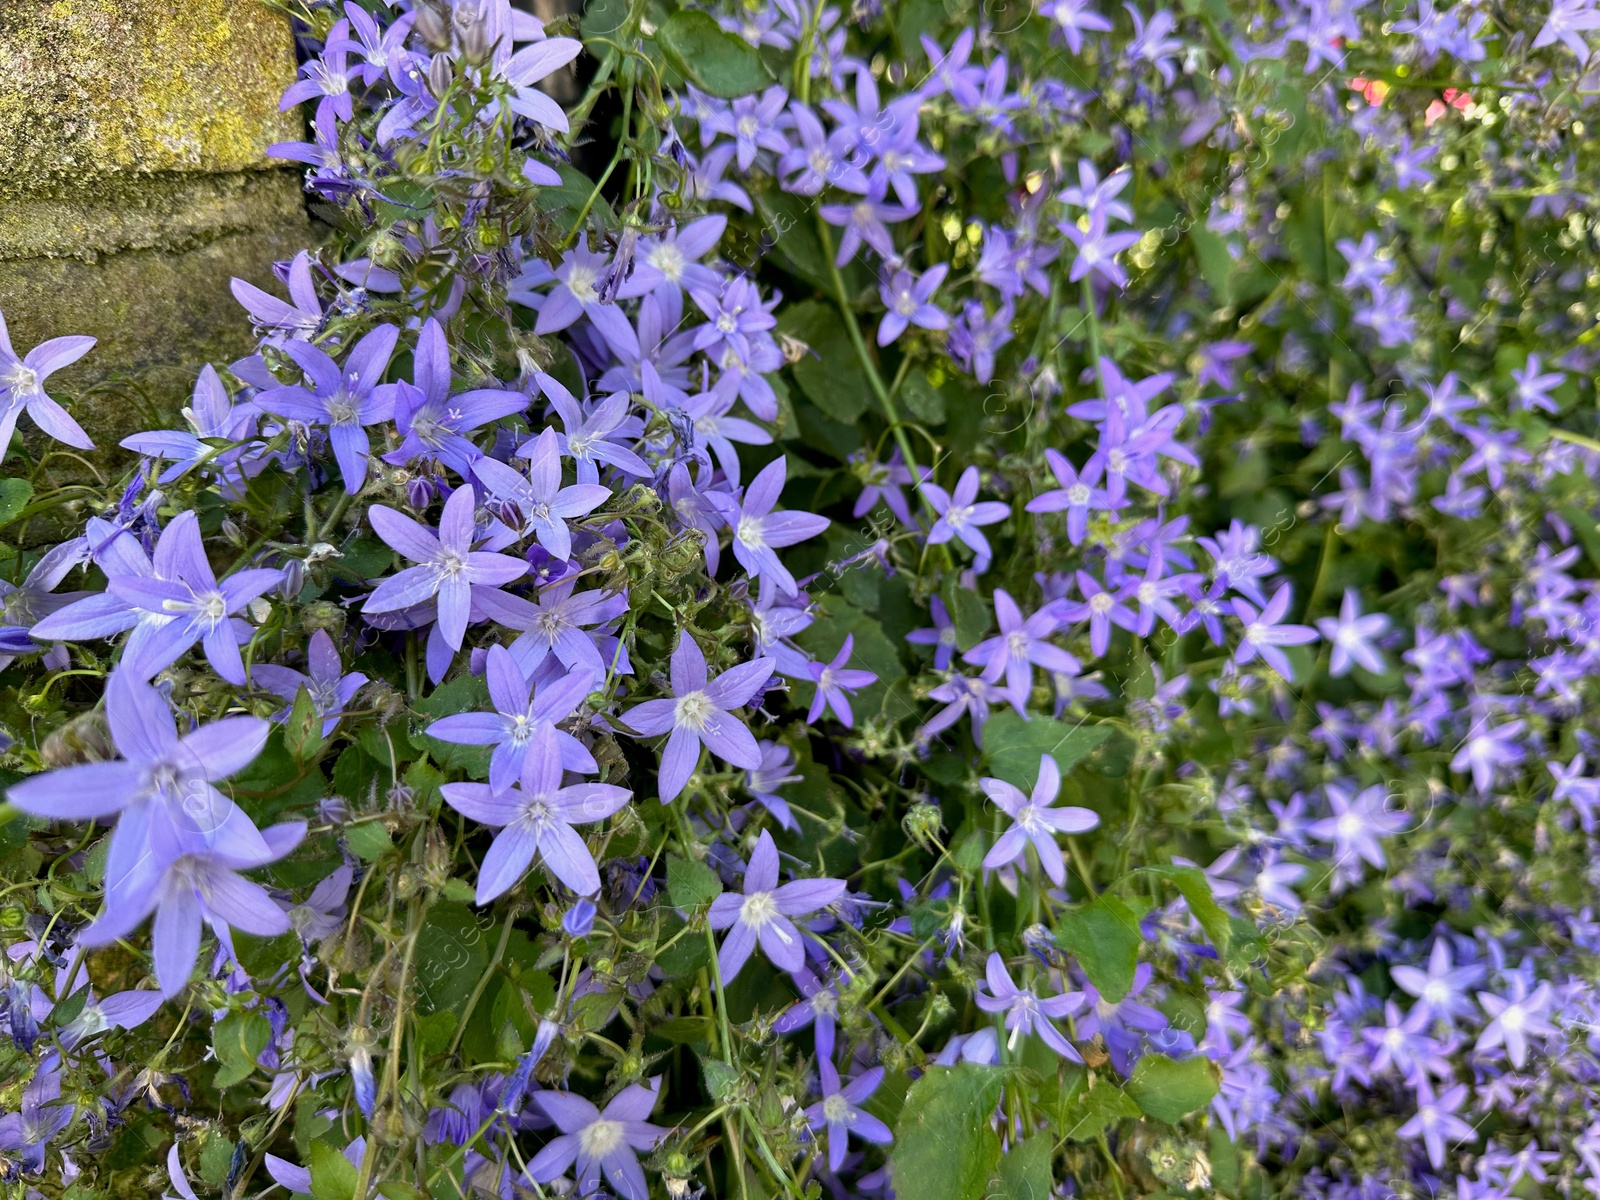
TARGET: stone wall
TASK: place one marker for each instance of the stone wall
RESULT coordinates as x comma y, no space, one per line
134,182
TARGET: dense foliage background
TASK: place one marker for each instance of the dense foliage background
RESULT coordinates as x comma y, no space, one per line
923,599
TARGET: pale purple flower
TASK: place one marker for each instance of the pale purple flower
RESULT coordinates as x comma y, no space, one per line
581,276
1028,1012
431,421
597,1141
187,604
758,532
545,506
908,298
866,220
520,714
447,566
1358,822
1020,646
942,636
763,782
762,914
672,260
1435,1120
41,1116
346,399
529,66
1098,249
1513,1021
1077,496
211,414
1487,750
961,513
752,122
1441,990
589,438
22,388
834,681
1351,636
299,317
1567,22
536,819
1534,383
1263,633
1035,820
325,77
700,714
329,687
840,1112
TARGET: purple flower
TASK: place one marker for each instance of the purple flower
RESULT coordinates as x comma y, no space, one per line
1513,1021
22,387
598,1141
1035,820
1103,607
1568,21
758,532
672,261
1093,194
330,689
42,1115
1077,495
431,421
187,605
1351,636
942,636
520,714
300,317
864,221
447,566
833,682
1026,1011
1020,646
762,914
1263,634
1358,822
1441,990
124,1010
1435,1120
588,437
345,400
1098,249
543,503
961,514
530,65
820,1009
325,76
753,124
1487,750
908,299
211,415
977,336
582,274
699,714
536,820
1534,384
840,1112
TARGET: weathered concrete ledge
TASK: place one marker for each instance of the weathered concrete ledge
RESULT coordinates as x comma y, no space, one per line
134,181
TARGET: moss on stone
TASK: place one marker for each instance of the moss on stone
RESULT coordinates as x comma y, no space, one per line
92,91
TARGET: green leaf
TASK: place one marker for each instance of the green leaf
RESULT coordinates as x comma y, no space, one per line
236,1041
368,841
943,1145
1094,1110
302,731
215,1159
720,1077
711,58
14,497
1169,1090
1104,937
830,375
925,401
1024,1172
333,1176
451,956
690,884
394,1189
1014,746
1195,889
968,613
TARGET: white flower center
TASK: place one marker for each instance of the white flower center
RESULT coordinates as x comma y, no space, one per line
600,1139
581,283
342,410
750,533
451,564
760,910
1513,1019
1078,494
691,711
957,515
669,260
836,1110
22,379
1101,603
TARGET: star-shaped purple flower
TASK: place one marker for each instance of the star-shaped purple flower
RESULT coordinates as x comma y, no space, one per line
1035,820
762,914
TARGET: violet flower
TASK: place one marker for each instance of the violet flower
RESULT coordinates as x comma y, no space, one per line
346,399
840,1114
700,714
597,1141
1513,1021
1020,647
329,687
1436,1120
909,301
1263,634
1351,636
187,604
431,421
758,532
762,914
536,820
519,715
1026,1011
1035,820
833,682
447,566
961,514
22,388
544,504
